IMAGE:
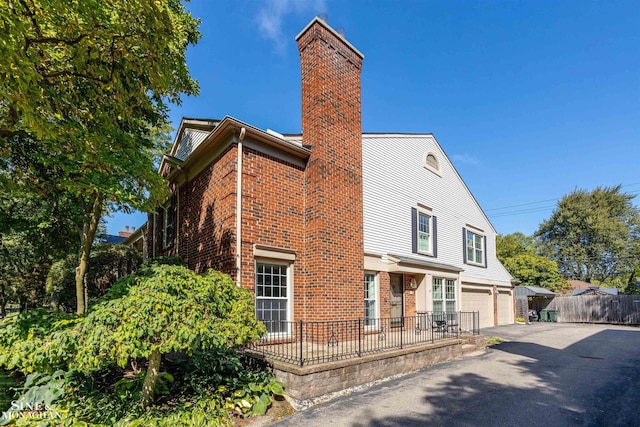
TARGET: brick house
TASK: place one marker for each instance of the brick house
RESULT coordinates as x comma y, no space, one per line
333,223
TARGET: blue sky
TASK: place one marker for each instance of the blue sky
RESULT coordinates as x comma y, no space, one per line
530,99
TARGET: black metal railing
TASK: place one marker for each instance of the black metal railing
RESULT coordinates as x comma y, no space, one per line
306,343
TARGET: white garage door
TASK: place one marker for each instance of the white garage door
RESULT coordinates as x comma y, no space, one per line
505,308
478,300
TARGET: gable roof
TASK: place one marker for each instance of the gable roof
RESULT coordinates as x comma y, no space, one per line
595,290
195,137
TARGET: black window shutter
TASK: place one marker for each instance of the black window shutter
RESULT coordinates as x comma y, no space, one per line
484,243
414,230
434,232
464,245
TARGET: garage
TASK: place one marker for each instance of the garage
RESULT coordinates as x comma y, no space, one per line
505,308
478,300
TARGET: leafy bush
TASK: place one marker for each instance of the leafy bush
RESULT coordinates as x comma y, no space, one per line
220,370
162,260
108,263
6,390
36,340
40,391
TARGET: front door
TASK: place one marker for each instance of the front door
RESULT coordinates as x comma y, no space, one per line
396,301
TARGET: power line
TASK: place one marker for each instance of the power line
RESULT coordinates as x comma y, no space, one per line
523,204
538,209
522,212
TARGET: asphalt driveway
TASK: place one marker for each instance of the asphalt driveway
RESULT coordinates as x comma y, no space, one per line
541,375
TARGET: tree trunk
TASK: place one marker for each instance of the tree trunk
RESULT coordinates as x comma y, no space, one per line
91,221
151,378
3,299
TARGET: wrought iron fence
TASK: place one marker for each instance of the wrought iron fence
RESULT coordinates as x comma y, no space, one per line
306,343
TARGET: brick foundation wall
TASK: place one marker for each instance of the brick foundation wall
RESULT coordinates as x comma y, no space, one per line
332,127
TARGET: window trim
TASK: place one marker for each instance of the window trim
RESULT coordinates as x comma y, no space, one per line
444,282
376,291
415,232
289,287
483,247
433,168
429,215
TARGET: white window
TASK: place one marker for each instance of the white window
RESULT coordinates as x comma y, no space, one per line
273,296
474,248
424,231
444,295
370,299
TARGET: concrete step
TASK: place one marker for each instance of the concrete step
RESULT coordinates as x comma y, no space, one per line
468,349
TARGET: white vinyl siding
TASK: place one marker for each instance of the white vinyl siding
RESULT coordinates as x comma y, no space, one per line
191,139
395,181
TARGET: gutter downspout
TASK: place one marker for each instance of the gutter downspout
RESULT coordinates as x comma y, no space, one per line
239,210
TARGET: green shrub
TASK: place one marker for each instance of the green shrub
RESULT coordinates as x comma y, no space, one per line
37,340
6,390
221,371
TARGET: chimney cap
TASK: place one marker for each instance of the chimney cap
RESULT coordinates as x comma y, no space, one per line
319,21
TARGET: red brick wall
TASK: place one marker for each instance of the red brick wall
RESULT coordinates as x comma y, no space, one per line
385,294
272,215
208,225
332,126
409,296
205,223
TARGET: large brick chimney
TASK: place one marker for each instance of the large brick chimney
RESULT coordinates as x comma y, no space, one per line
332,127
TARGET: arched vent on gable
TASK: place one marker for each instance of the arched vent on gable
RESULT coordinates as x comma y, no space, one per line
431,162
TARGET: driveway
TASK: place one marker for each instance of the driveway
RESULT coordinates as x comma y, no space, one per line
547,374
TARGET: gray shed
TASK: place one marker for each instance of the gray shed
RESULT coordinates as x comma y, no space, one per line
531,297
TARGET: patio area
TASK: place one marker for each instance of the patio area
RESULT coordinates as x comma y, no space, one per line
310,343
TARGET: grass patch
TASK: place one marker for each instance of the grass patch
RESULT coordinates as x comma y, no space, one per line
493,341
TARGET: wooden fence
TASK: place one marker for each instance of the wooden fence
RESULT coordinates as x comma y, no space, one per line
618,309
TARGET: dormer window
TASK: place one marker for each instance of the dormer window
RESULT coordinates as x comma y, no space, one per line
431,162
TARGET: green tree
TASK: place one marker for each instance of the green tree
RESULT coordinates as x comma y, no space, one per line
108,264
83,85
514,244
593,236
534,270
34,230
